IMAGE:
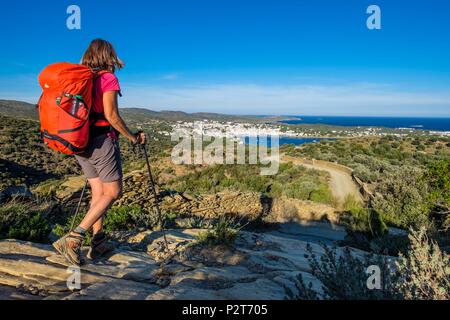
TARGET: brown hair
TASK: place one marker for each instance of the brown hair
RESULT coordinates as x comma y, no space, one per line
100,55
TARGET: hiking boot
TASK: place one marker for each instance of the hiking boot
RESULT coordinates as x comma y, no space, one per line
69,247
99,246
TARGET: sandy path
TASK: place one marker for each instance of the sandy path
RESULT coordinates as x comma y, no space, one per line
341,183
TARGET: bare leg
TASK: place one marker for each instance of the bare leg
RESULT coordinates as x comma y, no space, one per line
111,192
98,226
97,192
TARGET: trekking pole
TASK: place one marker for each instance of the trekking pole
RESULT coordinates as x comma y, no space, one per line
78,206
152,184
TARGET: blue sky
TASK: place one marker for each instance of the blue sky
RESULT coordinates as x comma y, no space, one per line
245,57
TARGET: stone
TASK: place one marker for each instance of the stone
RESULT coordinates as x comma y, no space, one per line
258,266
11,293
70,187
289,279
115,289
43,276
311,231
213,277
293,210
260,289
180,292
189,197
129,265
26,248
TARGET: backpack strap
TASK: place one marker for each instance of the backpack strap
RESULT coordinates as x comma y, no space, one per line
99,72
96,117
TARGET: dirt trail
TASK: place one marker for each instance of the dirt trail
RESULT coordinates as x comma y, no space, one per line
341,182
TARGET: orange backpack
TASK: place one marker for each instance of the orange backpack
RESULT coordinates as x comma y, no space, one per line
65,106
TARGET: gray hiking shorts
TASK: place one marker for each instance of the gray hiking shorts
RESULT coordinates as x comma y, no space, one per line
101,159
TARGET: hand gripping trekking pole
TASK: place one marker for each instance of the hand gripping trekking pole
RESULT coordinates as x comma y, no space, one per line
152,185
78,206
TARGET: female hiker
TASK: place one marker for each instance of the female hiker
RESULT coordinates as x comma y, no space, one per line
101,161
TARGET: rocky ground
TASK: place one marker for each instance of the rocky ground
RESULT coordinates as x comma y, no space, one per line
258,266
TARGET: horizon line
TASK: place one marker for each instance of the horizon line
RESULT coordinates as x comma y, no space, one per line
267,115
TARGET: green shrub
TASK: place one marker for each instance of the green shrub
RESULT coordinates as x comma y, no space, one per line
121,218
32,229
343,276
392,245
116,219
438,178
60,230
222,233
351,203
402,199
365,221
291,181
23,221
423,273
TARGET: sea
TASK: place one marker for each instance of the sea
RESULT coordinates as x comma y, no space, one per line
429,124
432,124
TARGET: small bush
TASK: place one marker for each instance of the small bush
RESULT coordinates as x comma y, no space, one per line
366,221
23,221
222,233
321,195
350,203
402,199
291,181
122,218
423,273
116,219
343,276
391,245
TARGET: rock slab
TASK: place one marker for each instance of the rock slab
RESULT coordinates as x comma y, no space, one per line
258,266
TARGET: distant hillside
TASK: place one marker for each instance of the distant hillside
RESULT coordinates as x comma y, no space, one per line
140,114
18,109
25,110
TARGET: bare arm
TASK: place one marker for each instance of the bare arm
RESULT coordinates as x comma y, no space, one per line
111,109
